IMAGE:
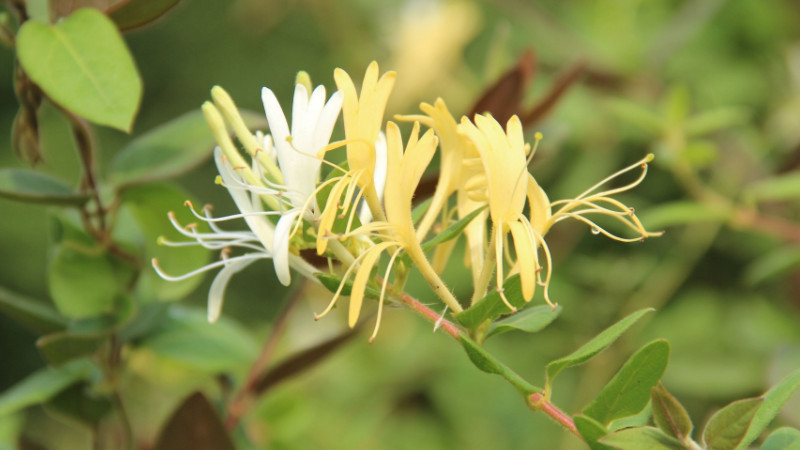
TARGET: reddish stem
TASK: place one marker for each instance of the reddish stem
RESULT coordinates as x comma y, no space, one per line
537,402
431,315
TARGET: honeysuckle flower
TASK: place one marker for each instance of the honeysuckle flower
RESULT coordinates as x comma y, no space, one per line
397,232
312,124
363,119
257,241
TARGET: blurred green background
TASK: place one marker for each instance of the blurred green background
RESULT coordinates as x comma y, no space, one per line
727,290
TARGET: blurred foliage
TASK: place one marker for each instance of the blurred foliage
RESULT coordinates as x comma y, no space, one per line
711,87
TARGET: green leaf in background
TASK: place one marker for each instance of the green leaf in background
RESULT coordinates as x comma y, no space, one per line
138,13
195,425
529,320
714,120
32,314
84,65
36,187
642,438
680,213
81,281
593,347
774,400
419,210
41,385
168,150
492,306
629,391
193,342
78,403
669,414
591,431
84,337
148,206
487,363
638,116
777,188
726,429
772,264
452,231
332,282
783,439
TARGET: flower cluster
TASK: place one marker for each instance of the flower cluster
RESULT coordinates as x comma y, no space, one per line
360,211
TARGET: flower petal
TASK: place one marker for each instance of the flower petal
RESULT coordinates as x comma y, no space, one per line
280,255
217,291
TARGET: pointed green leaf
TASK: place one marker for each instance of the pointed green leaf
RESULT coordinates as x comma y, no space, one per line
419,210
629,391
83,64
782,187
783,439
35,187
492,306
138,13
593,347
452,231
332,282
41,385
485,362
168,150
774,400
642,438
591,431
726,429
81,280
638,116
30,313
669,414
529,320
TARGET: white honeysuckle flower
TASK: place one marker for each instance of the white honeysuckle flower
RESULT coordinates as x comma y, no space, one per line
312,125
378,178
257,241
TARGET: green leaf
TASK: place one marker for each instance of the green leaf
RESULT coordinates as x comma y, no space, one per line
714,120
83,64
781,187
211,348
148,206
681,213
41,385
783,439
35,187
629,391
669,414
30,313
642,438
86,336
727,427
485,362
529,320
492,306
591,431
452,231
78,403
593,347
195,425
772,264
638,116
419,210
332,282
168,150
82,281
138,13
774,400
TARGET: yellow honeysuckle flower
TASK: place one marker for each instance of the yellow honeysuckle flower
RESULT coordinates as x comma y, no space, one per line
503,154
363,119
397,233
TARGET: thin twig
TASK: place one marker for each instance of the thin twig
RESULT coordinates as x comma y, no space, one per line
537,402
